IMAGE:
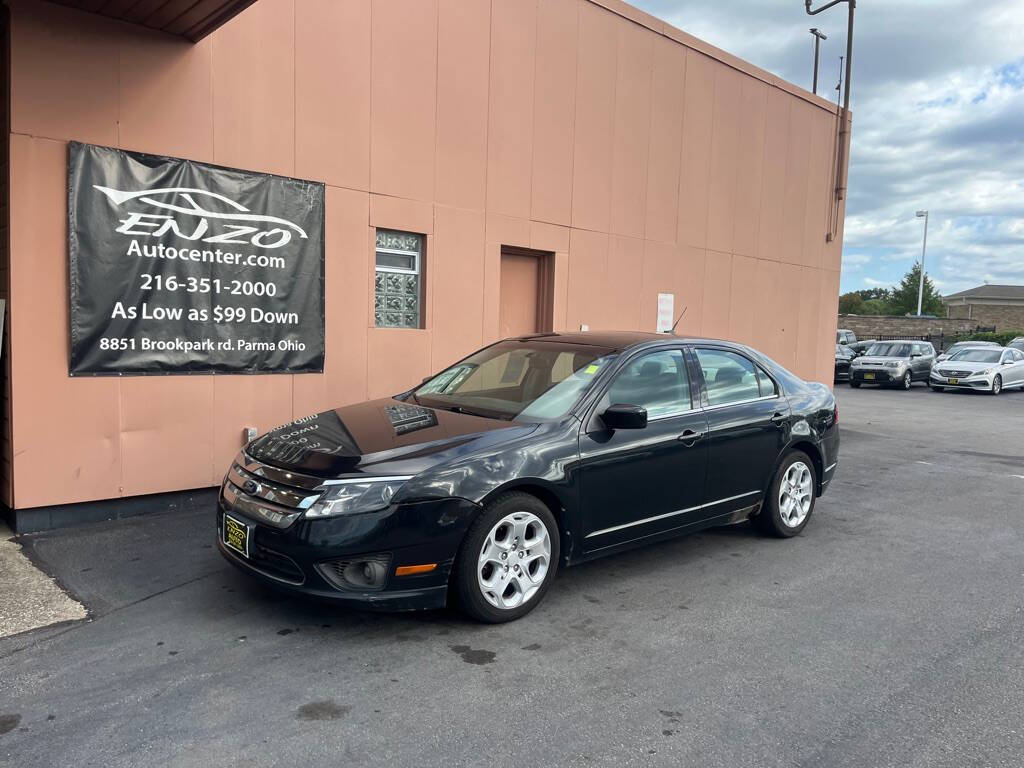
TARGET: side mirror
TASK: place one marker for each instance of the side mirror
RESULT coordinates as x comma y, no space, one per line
620,416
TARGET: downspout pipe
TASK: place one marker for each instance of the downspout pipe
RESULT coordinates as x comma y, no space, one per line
844,127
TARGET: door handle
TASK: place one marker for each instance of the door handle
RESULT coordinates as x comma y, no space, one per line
690,437
778,419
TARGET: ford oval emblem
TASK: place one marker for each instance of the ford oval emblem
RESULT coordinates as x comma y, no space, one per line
251,487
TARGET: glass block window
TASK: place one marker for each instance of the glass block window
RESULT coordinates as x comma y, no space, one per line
398,290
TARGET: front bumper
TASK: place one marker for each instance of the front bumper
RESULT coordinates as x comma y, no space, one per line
842,372
878,375
410,533
977,381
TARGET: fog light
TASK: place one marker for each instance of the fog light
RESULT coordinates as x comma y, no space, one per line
365,572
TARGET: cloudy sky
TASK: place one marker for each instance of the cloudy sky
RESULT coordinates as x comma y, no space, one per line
938,103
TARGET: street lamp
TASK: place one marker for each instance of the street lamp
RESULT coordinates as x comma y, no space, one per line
818,37
924,244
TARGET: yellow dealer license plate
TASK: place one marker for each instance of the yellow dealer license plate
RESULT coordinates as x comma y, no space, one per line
236,535
869,375
954,381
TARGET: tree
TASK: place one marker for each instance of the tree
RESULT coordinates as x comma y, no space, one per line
874,293
851,304
876,307
903,298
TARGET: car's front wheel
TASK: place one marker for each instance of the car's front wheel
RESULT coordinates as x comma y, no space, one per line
790,499
508,558
908,380
997,385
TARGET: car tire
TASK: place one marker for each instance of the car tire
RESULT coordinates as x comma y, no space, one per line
997,385
854,384
908,381
795,480
518,528
937,389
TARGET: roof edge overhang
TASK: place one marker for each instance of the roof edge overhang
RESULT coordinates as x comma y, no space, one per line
190,19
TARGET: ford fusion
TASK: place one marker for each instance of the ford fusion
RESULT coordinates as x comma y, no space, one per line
530,455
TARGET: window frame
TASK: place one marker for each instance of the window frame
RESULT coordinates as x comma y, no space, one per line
705,404
594,422
417,271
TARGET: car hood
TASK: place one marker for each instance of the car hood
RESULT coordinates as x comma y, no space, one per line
876,360
964,365
355,437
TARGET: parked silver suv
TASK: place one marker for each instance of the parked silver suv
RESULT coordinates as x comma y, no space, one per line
893,363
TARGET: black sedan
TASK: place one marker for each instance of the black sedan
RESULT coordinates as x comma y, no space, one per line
844,356
531,454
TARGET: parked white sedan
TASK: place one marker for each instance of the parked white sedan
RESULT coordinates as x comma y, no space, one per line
987,369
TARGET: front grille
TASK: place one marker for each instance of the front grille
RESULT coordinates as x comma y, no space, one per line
276,564
955,374
268,500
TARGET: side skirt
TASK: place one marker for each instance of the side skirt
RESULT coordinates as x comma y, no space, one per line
729,518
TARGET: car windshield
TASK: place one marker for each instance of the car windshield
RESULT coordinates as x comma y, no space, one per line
977,356
961,345
527,380
889,349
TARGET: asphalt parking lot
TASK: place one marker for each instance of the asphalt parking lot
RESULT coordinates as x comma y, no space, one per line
890,633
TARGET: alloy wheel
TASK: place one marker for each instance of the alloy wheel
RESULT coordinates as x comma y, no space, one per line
997,384
514,560
795,494
908,380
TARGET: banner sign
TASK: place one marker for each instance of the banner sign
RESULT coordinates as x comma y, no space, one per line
182,267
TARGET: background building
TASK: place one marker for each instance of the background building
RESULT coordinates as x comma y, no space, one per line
542,165
998,305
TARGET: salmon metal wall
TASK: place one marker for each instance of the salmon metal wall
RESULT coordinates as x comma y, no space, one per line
644,159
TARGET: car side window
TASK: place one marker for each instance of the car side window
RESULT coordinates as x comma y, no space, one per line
656,381
1018,356
768,386
728,377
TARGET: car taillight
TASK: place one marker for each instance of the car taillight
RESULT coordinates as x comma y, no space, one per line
835,414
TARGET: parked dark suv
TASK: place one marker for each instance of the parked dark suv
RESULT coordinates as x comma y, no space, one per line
893,363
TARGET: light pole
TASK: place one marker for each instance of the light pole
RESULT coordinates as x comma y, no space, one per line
924,245
818,37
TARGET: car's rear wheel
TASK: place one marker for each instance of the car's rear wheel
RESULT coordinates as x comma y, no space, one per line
790,500
508,559
997,385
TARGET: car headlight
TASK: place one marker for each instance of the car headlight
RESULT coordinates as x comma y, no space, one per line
347,497
986,372
894,364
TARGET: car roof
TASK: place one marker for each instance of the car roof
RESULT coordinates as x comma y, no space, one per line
902,341
618,340
986,347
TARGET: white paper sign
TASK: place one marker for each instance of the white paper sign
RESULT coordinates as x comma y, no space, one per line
666,309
